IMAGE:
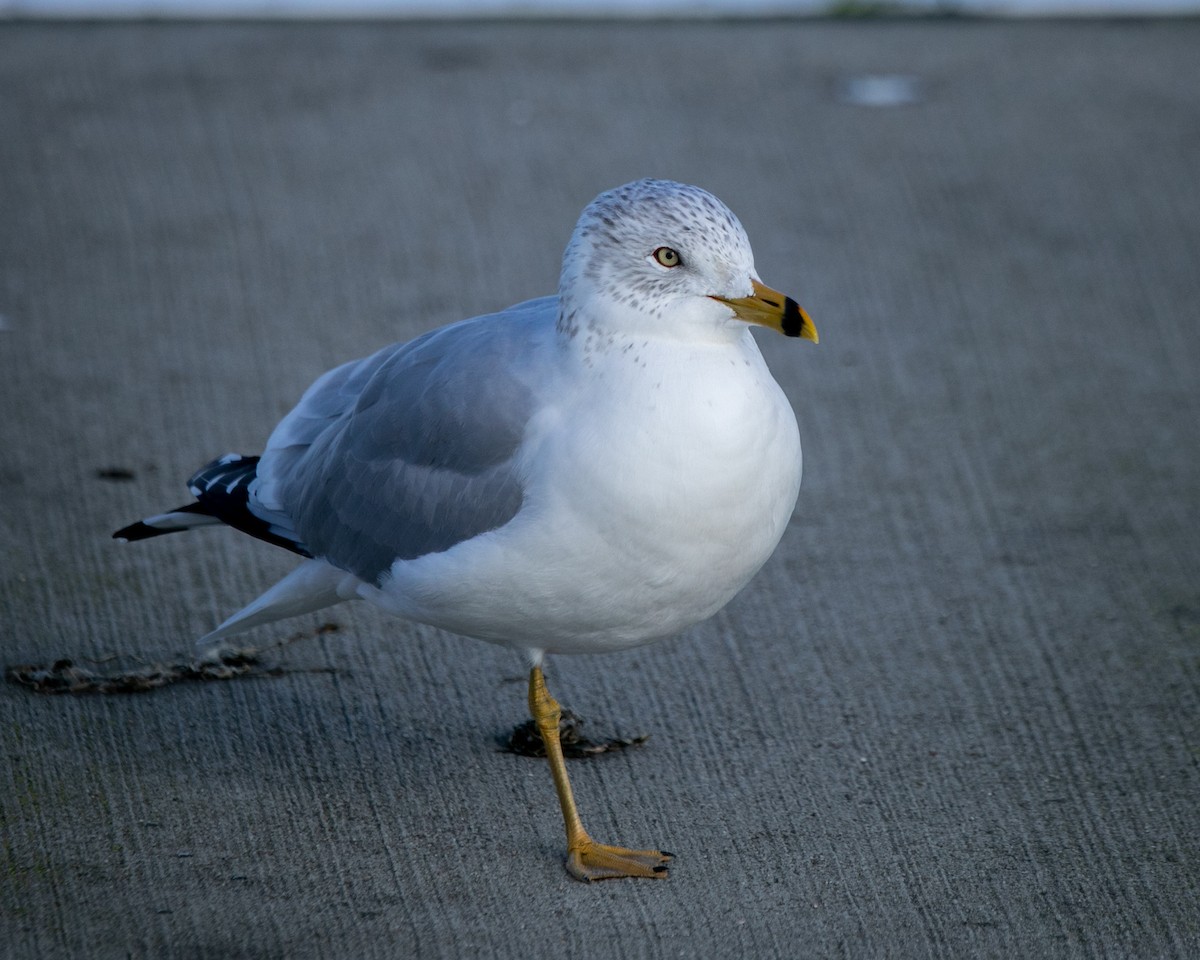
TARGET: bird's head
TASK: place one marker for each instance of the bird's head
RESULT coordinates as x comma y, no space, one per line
659,257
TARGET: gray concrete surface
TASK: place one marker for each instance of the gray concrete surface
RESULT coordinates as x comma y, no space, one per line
955,716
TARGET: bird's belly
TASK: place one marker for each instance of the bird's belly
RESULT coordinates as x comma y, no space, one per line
634,529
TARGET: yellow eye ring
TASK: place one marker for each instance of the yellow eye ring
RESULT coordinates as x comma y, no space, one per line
666,257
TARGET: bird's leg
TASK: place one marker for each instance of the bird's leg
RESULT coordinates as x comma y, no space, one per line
586,859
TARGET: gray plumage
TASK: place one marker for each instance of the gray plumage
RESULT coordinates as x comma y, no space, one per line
409,451
577,473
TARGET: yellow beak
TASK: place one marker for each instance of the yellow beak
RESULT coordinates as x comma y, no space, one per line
772,309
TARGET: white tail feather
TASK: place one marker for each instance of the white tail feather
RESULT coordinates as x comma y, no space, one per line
311,586
176,521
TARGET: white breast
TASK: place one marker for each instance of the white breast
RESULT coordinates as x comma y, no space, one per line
659,483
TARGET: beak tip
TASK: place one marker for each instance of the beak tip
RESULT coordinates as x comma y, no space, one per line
796,322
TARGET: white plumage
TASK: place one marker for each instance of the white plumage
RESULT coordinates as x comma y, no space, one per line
575,474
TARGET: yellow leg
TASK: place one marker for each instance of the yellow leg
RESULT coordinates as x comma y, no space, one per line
586,859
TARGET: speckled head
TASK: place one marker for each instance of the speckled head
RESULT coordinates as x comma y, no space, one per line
611,256
656,256
665,209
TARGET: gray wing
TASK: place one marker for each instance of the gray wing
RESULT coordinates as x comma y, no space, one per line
411,450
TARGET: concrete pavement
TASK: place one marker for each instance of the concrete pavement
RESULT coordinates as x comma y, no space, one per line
956,715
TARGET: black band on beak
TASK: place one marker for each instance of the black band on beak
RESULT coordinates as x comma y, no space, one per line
793,322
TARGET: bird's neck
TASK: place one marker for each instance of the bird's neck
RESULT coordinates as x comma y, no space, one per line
619,327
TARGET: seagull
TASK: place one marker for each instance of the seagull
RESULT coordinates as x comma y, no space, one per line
580,473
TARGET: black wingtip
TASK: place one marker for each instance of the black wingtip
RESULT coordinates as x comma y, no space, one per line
141,531
222,489
144,531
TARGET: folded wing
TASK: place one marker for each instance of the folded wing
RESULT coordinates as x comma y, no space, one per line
409,451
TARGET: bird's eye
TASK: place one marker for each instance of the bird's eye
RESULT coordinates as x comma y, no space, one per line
666,257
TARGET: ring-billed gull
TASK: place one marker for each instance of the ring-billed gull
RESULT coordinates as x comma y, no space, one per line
580,473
